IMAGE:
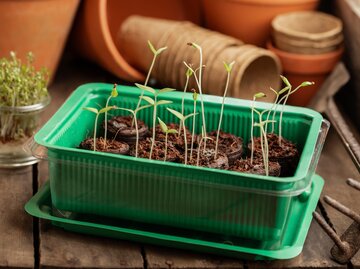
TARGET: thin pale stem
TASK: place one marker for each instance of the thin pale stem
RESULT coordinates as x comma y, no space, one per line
266,160
105,131
202,105
221,114
268,115
262,149
153,134
193,131
280,119
166,146
137,135
198,153
95,128
185,142
183,101
252,132
145,84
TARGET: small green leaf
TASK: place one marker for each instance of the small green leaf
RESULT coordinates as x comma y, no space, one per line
142,107
160,50
285,80
189,72
106,109
149,100
190,115
307,83
163,102
114,92
284,90
259,95
176,113
145,88
195,96
127,109
229,67
94,110
163,126
165,90
151,47
172,131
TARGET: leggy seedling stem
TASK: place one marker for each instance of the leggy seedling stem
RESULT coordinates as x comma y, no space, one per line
228,68
188,74
166,131
203,138
113,94
155,53
256,96
154,103
195,96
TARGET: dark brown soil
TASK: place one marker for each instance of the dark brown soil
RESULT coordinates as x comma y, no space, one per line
173,154
176,139
230,144
207,159
287,155
111,146
257,167
119,127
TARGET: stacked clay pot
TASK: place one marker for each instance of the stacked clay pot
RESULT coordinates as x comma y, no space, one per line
254,69
309,45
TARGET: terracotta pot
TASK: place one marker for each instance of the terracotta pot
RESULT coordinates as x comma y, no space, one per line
249,20
100,20
303,67
39,26
307,32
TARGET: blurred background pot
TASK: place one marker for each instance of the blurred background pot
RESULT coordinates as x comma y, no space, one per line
306,67
39,26
99,21
249,20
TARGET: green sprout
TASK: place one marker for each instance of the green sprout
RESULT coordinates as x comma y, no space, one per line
264,141
98,112
256,96
155,53
198,82
289,92
182,119
154,103
188,74
228,68
166,131
113,94
134,113
195,96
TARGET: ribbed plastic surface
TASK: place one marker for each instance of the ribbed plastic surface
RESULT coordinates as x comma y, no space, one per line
222,202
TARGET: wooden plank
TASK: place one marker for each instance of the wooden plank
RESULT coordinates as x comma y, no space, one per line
63,249
336,166
16,227
315,253
160,257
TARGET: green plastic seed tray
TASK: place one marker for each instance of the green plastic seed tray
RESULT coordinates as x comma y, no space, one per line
215,201
289,247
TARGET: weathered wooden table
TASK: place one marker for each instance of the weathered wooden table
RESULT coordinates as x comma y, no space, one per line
26,242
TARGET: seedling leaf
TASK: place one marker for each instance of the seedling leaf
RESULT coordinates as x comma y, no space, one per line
284,90
163,126
172,131
145,88
114,92
285,80
152,47
126,109
106,109
148,99
160,50
141,108
190,115
307,83
176,113
165,90
229,67
189,72
259,95
93,110
163,102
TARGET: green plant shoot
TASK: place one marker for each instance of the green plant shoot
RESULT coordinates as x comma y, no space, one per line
182,119
154,103
113,94
134,114
199,84
98,112
156,53
203,138
166,131
256,96
285,98
228,68
195,97
188,74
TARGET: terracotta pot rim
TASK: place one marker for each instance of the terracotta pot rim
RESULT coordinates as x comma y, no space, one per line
305,57
279,25
274,2
110,44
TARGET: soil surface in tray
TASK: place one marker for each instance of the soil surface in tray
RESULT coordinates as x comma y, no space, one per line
111,146
256,167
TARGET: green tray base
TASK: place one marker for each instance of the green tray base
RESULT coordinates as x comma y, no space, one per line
40,206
